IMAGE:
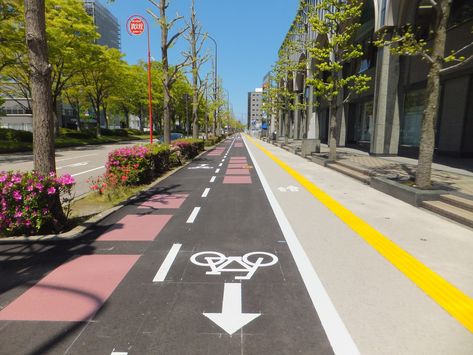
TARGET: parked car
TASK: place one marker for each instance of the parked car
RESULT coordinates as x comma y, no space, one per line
174,136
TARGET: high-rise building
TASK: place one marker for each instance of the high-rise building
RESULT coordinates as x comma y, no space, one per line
255,103
107,24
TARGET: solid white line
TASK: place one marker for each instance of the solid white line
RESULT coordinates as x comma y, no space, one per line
167,263
88,171
220,164
193,215
213,178
206,192
217,171
231,145
119,353
337,333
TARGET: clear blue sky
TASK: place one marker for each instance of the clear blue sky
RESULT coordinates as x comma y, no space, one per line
248,32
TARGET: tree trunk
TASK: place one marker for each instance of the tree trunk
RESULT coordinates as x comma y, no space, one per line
104,110
429,118
77,114
40,79
332,139
43,113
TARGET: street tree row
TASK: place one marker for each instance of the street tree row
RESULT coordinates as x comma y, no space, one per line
325,35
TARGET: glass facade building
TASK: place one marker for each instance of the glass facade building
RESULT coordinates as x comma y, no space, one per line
107,24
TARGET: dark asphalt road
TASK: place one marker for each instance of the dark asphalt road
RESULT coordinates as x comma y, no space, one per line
138,316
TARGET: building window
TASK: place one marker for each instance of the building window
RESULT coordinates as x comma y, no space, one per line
411,123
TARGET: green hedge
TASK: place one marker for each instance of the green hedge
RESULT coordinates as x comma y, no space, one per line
159,154
13,135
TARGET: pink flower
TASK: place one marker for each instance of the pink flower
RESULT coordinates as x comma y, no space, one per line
51,190
29,188
39,186
18,214
3,178
66,180
17,195
16,178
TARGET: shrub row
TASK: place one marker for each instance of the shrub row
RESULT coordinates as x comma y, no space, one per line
13,135
214,140
91,133
26,201
139,164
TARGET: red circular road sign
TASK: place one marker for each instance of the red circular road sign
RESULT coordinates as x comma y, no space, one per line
136,26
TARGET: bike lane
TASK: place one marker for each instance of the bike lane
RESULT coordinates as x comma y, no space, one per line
208,271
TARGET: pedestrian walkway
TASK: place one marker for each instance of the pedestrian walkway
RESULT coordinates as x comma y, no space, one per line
456,173
452,178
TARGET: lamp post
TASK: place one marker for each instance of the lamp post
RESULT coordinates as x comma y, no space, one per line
135,26
228,110
215,80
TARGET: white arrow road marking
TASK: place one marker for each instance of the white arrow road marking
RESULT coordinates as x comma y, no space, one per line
193,215
289,188
231,319
78,157
166,265
206,192
73,165
200,166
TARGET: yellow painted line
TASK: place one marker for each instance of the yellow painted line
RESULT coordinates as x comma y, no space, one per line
453,300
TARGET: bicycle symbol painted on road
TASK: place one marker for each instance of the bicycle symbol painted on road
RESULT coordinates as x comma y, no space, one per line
248,263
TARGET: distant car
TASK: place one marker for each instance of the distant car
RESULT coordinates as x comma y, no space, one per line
174,136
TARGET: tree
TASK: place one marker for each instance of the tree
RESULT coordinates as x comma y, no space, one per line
129,91
11,33
338,28
169,73
100,74
71,33
196,61
43,121
406,42
285,99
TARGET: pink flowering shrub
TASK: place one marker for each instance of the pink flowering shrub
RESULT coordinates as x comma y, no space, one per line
129,166
26,198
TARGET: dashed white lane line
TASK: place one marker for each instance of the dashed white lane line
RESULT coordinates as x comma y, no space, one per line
213,178
167,263
223,160
88,171
206,192
193,215
220,164
217,171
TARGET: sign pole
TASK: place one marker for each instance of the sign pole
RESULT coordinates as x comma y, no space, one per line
135,26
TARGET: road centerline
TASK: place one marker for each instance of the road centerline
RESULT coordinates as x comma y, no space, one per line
167,263
193,215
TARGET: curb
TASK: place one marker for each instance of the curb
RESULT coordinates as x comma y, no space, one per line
82,229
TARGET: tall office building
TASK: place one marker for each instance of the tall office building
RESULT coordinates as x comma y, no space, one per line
255,103
107,24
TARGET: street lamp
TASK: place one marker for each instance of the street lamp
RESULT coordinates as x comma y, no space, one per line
228,110
215,80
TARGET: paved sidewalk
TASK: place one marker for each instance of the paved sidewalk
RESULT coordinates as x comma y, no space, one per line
454,173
